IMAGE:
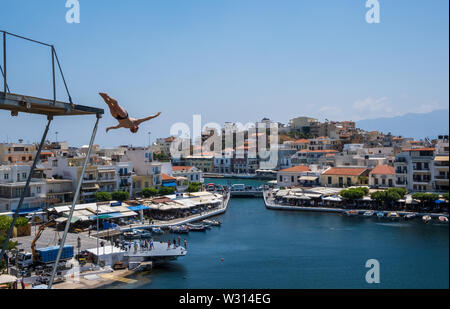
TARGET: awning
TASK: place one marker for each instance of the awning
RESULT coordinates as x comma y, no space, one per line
4,279
308,178
169,184
441,158
138,208
29,210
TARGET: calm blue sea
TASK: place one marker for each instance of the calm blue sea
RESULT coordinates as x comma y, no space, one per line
278,249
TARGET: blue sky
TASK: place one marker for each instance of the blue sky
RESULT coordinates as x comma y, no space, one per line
228,60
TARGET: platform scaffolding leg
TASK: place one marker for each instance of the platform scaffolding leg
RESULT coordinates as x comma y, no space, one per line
27,185
75,198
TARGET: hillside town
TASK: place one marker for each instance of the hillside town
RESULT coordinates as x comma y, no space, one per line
309,153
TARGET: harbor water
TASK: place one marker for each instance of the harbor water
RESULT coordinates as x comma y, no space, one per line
260,248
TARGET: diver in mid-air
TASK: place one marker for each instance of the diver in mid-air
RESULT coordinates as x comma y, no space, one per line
122,116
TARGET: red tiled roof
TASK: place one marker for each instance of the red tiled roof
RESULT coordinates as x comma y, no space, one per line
383,170
319,151
347,171
181,168
296,169
419,149
167,177
301,141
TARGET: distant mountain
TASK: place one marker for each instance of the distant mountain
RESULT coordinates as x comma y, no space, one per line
411,125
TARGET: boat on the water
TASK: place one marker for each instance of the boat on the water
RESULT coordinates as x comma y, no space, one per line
380,214
393,216
212,222
368,213
179,229
157,230
196,227
443,219
410,216
426,219
351,213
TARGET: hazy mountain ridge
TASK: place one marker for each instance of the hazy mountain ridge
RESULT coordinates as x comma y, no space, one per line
411,125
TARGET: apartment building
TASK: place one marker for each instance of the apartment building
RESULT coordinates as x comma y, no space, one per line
204,163
413,169
12,184
440,167
11,153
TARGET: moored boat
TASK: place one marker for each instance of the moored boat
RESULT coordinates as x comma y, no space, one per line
393,216
212,222
443,219
179,229
380,214
410,216
351,213
157,230
368,213
426,219
196,227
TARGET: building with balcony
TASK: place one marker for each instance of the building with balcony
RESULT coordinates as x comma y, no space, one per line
16,153
413,169
12,184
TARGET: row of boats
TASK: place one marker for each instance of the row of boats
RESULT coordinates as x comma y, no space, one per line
179,229
189,227
394,215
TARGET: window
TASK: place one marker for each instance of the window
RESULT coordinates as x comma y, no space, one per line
55,163
281,178
147,184
292,178
5,176
330,180
38,189
349,181
24,175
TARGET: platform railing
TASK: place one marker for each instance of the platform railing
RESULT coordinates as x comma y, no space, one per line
54,57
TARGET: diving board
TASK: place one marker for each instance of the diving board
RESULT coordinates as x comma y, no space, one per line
17,103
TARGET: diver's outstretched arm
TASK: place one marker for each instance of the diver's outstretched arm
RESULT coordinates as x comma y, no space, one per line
113,128
139,121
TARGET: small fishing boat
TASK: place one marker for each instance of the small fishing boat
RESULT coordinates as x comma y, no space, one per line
426,219
380,214
351,213
157,230
212,222
179,229
393,216
368,213
196,227
443,219
142,233
409,216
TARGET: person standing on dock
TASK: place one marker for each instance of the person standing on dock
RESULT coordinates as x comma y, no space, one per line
179,241
185,244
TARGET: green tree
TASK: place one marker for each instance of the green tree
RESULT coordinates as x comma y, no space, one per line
166,191
194,187
120,196
21,221
149,192
5,223
103,196
445,196
353,193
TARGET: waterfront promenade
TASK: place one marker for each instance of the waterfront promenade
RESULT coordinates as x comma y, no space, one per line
272,205
180,221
